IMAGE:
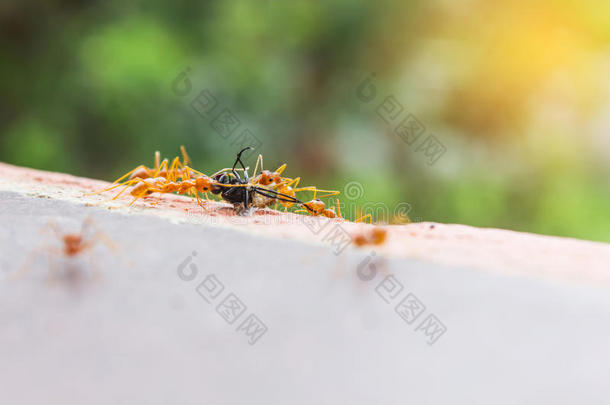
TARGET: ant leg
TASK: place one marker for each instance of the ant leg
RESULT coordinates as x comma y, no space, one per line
129,173
236,175
157,160
171,172
180,171
126,182
27,263
329,193
185,173
199,202
186,160
308,188
316,190
286,181
238,160
135,199
246,200
99,236
52,225
197,197
259,159
295,182
102,237
161,167
127,185
191,170
235,185
364,218
115,184
338,209
226,169
37,252
281,168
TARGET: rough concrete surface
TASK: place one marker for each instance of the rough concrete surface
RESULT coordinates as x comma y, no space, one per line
443,314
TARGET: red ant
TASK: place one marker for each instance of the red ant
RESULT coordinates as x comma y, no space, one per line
73,245
162,179
317,207
375,236
286,185
259,191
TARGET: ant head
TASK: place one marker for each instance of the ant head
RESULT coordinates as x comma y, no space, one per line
266,178
203,184
72,243
360,240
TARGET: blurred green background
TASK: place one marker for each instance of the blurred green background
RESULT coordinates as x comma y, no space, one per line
519,95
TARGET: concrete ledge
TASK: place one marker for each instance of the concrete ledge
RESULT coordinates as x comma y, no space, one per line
486,249
442,314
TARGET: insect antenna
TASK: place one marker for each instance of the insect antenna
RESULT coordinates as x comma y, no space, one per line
279,196
238,160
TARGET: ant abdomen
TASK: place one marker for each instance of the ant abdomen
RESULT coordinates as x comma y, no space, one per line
141,172
140,190
328,213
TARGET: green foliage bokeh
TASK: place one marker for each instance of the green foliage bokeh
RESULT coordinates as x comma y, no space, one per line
516,93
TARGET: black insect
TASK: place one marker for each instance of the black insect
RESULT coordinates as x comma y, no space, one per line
238,190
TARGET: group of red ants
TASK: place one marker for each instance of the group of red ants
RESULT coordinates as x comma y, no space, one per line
233,185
